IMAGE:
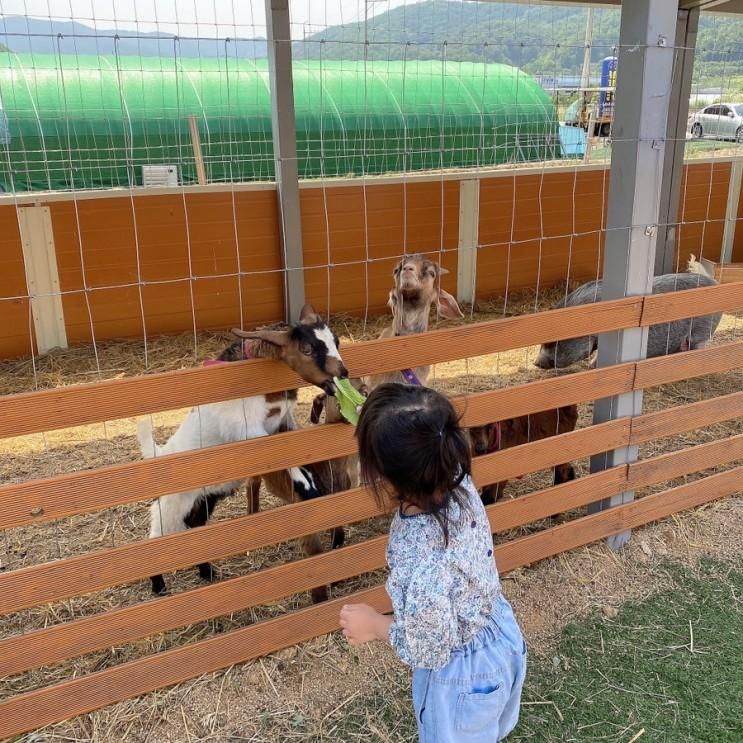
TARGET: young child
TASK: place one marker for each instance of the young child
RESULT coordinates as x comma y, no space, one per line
451,622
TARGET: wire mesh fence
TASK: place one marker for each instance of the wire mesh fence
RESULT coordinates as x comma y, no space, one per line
140,221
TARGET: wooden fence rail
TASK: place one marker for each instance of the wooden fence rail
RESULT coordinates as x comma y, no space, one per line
65,495
40,584
61,579
93,571
78,637
77,405
164,614
77,696
64,407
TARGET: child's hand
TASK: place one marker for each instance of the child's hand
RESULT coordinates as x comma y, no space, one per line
362,624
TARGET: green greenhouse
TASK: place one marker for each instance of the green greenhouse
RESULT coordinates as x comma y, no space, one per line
75,122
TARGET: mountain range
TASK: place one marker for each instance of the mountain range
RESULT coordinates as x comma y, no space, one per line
545,40
540,39
43,36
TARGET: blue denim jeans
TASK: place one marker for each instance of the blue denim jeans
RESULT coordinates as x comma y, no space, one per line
475,698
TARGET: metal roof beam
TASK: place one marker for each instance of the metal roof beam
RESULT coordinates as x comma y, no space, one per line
714,6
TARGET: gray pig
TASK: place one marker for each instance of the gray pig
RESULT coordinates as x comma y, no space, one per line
679,335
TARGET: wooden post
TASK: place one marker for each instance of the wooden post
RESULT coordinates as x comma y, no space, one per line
590,135
42,277
469,217
196,144
731,211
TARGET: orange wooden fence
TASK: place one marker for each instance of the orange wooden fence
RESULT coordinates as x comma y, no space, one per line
137,262
36,501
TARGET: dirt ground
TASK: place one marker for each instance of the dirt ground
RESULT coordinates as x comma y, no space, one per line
296,694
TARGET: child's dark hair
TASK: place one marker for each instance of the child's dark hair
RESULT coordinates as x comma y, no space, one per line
410,441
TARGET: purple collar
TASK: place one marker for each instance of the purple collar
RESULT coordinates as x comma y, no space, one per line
410,377
408,374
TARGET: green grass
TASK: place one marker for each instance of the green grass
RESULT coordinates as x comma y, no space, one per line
668,669
671,665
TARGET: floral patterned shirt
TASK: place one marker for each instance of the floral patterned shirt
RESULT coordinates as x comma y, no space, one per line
442,595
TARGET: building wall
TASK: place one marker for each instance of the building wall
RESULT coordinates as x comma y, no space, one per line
537,230
353,236
704,190
165,241
15,317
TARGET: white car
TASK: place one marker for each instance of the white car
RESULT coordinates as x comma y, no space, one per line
719,121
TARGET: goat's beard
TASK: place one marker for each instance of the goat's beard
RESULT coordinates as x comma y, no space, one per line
411,295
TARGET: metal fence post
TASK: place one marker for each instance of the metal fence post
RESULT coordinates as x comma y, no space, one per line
644,78
285,152
687,25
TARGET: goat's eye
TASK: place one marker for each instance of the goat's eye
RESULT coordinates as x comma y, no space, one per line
307,349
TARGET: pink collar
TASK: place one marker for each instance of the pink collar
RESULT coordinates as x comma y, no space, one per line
497,442
247,353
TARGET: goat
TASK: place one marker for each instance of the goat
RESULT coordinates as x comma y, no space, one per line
329,476
516,431
309,348
415,291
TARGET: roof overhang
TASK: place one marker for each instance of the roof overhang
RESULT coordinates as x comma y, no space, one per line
713,6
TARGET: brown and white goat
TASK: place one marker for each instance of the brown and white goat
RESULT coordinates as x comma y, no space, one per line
329,476
416,289
311,349
522,430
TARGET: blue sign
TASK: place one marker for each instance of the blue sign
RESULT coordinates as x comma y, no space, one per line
608,80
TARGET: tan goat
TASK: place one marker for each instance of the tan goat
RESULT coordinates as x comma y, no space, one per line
416,290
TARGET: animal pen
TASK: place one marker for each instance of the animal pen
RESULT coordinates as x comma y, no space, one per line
154,196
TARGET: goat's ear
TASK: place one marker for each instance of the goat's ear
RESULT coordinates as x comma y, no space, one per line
447,306
274,337
442,271
308,316
392,300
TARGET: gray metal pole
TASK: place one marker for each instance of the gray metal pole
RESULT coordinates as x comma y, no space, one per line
687,25
644,77
585,73
285,152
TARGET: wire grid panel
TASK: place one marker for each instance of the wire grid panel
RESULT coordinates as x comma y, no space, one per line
397,106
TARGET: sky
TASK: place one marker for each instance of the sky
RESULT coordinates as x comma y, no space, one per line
203,18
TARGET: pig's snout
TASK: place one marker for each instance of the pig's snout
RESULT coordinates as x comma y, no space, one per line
543,361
